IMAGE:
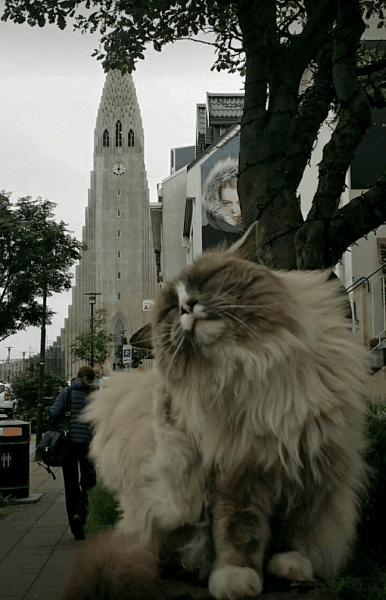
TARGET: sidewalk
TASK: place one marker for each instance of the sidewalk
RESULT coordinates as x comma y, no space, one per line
36,545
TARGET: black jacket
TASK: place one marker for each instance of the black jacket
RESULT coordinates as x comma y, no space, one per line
80,432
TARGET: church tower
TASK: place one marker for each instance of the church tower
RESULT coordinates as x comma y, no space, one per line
120,262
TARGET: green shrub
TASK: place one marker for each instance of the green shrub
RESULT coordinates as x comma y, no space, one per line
360,588
365,575
102,510
370,531
25,386
7,505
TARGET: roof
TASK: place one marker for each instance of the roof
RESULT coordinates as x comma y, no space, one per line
230,133
225,107
201,119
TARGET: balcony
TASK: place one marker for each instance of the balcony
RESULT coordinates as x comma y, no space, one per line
368,304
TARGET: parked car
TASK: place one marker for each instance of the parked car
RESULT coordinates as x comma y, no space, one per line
7,403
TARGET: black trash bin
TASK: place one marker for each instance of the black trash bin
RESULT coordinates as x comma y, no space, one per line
14,458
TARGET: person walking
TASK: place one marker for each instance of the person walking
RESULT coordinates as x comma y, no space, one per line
78,471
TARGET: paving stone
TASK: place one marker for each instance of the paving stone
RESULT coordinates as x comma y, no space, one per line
44,593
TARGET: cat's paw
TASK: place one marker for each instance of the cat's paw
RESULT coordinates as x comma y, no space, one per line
234,582
291,565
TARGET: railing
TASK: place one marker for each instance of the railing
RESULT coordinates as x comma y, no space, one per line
368,300
362,280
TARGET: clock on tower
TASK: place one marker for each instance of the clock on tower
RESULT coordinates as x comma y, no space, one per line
119,168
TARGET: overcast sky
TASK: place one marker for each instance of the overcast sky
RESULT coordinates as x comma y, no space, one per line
50,89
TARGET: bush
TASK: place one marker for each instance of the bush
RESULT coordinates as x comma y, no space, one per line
8,505
25,387
360,588
370,533
103,510
365,575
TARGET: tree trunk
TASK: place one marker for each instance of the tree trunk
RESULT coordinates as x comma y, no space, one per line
316,246
267,180
280,127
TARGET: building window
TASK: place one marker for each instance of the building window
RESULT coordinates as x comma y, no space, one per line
118,192
106,138
118,233
119,336
119,296
130,138
119,254
119,275
118,213
118,133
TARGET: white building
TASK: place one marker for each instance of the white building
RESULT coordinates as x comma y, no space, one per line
179,220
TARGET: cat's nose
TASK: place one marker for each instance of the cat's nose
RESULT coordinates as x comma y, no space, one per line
188,305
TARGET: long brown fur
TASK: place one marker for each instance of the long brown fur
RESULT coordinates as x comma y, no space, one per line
246,441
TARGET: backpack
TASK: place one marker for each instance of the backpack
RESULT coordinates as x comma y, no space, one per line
52,448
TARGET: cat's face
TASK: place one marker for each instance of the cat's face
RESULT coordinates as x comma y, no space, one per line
218,300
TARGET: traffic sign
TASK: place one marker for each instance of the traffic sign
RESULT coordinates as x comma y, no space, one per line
126,354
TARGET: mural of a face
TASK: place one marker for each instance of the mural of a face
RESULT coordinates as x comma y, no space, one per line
230,199
220,199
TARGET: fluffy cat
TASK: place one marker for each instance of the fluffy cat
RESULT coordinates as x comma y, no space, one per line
241,453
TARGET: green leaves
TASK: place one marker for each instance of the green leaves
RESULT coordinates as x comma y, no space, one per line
127,27
36,254
94,341
25,386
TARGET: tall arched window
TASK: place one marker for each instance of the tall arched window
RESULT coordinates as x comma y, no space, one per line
119,337
118,133
106,138
130,139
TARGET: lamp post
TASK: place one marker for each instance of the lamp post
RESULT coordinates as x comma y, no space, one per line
122,331
9,348
39,414
92,299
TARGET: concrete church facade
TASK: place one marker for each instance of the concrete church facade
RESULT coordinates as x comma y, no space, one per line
119,263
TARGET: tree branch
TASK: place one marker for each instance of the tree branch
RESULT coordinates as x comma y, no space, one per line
312,113
320,18
357,218
258,26
371,68
355,113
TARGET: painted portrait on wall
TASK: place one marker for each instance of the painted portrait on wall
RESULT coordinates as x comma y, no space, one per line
221,215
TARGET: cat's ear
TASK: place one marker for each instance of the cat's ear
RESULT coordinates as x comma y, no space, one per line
142,338
247,247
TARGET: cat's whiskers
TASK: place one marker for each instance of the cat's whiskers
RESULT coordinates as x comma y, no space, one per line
163,343
174,355
164,349
250,305
193,346
141,341
223,317
161,335
220,289
165,346
234,317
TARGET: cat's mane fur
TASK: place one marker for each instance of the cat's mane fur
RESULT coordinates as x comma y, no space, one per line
277,391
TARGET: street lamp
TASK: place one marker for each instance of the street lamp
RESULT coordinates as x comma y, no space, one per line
92,299
9,348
